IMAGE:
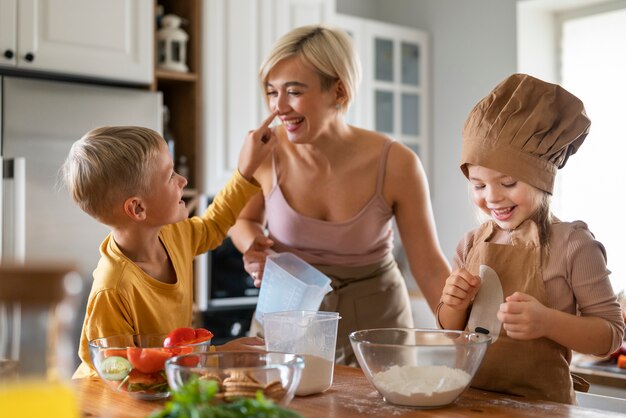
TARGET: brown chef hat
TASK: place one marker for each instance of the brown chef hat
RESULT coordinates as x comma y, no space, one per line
525,128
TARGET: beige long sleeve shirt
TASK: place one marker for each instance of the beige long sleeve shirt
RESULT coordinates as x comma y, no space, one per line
575,274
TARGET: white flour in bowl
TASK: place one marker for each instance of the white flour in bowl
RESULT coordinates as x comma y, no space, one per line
424,386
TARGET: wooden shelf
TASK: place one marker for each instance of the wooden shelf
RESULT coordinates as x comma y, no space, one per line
164,76
182,92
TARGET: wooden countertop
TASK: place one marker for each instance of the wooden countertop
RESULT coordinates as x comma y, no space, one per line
590,368
350,396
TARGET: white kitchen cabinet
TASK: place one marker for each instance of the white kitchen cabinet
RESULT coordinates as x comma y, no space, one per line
238,34
393,96
91,38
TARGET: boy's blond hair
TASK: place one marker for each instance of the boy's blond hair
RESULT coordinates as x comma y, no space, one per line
108,165
328,50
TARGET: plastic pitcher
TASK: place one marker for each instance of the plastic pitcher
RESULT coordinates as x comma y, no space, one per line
290,284
312,334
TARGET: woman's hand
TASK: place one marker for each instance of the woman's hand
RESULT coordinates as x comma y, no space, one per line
460,289
243,344
523,317
254,258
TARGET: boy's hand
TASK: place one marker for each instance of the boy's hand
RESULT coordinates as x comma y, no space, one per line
254,258
460,289
523,317
256,147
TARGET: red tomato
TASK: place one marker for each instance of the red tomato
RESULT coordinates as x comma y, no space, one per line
183,336
202,335
148,360
110,352
189,361
177,351
179,336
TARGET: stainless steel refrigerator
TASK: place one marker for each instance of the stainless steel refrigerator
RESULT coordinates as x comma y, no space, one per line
40,119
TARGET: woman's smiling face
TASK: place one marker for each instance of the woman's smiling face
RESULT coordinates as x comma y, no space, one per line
506,200
294,89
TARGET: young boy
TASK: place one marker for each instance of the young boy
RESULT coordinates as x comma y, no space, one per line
124,177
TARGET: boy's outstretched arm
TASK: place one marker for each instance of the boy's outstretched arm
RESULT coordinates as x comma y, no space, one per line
256,147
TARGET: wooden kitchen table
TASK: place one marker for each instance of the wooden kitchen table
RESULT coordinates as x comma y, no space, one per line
350,396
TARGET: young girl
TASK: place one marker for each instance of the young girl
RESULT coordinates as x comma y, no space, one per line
556,292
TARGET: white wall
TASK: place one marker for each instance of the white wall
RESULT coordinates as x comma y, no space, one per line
473,47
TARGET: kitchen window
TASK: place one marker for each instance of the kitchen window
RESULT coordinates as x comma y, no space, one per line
592,185
580,44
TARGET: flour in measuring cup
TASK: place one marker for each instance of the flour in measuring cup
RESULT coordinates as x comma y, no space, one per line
317,375
421,385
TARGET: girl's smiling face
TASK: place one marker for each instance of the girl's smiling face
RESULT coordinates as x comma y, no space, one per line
295,90
506,200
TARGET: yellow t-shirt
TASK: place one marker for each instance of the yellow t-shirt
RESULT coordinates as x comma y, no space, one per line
126,300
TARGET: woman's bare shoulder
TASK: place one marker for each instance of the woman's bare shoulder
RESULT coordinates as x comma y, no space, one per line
371,140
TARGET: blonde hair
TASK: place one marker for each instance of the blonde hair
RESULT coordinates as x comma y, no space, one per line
108,165
328,50
543,218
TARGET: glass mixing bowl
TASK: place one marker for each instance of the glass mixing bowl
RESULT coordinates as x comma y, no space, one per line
423,368
135,364
240,374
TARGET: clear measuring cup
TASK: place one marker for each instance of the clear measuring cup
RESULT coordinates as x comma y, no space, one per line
290,284
312,334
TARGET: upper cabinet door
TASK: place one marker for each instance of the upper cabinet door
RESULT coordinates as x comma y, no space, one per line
397,83
105,39
294,13
392,98
238,36
8,40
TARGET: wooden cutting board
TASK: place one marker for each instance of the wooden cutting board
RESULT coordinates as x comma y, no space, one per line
609,366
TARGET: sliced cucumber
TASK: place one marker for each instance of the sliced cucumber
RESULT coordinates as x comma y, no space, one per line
115,368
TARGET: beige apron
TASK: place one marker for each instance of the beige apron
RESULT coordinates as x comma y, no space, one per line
372,296
538,368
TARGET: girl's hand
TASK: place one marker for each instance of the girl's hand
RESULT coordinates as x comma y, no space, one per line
460,289
254,258
523,317
256,147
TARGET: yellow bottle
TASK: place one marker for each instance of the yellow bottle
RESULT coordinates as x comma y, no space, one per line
35,399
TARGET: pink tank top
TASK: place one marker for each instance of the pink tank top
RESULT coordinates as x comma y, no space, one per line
364,239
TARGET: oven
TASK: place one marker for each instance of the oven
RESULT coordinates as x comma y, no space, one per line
225,293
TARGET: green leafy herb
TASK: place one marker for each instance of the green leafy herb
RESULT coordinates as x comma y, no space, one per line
196,399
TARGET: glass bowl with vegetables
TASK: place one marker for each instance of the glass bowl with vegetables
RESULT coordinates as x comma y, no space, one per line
135,364
239,374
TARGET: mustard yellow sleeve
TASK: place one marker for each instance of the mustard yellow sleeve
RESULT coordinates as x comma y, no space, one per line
222,214
106,315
